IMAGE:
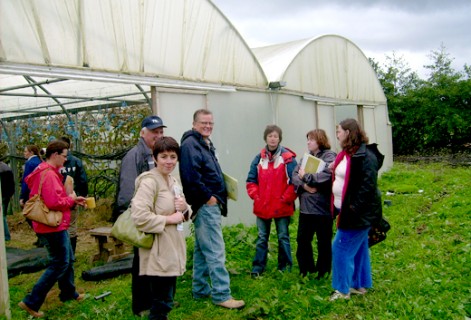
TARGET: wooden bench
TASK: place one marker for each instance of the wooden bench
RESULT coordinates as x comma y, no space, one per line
109,248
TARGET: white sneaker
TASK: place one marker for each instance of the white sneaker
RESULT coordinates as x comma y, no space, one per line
339,295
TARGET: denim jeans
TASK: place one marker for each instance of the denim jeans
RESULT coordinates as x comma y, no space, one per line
60,270
163,291
284,248
209,256
321,225
351,260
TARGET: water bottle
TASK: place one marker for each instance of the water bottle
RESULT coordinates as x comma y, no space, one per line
178,193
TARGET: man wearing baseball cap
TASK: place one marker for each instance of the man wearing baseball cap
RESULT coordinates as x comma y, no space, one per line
136,161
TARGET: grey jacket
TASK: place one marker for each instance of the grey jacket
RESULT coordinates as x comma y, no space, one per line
318,202
135,162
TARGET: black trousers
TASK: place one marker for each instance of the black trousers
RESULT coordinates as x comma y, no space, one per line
321,225
140,286
163,291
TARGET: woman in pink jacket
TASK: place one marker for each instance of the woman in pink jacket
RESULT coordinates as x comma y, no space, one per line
60,268
269,185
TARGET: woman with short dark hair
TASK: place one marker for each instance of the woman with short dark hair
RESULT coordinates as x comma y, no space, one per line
157,207
269,186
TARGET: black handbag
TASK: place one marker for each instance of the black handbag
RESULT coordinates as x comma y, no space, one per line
378,232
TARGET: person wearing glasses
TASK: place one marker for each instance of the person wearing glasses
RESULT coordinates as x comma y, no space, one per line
57,241
205,190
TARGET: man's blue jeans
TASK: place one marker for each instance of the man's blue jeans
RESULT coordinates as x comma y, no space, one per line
60,270
284,248
351,266
209,256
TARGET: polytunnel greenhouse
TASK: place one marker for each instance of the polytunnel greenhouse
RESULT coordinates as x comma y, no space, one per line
92,70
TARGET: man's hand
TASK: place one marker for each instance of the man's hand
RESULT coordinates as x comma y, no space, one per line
212,201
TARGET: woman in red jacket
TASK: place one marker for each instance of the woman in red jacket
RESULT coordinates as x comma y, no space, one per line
269,186
61,267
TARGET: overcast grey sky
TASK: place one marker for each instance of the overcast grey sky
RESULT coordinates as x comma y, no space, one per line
410,28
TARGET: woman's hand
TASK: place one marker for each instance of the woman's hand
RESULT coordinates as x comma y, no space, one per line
180,204
309,189
301,173
175,218
80,201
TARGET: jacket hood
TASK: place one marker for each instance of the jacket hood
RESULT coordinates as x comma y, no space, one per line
374,148
190,133
39,169
196,135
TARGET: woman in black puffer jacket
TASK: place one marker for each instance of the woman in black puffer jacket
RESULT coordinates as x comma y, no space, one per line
357,204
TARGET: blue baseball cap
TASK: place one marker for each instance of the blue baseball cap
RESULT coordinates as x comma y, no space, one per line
152,122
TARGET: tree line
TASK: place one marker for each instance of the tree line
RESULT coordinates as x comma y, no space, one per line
428,116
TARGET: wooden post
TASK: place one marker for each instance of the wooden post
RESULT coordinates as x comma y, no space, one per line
4,291
154,93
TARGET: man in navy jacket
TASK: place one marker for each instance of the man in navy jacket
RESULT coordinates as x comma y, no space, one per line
204,188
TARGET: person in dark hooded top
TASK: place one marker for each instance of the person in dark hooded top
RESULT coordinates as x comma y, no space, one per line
357,205
205,190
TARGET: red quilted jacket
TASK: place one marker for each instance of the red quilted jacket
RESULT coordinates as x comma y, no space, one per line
269,184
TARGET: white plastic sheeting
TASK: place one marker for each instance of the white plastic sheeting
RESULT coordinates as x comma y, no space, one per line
169,42
329,67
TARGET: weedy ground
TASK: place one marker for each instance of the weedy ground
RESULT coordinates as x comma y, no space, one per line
421,271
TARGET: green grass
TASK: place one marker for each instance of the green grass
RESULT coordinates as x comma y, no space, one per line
421,271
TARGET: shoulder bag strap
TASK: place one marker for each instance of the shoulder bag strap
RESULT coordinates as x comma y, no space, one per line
42,180
156,193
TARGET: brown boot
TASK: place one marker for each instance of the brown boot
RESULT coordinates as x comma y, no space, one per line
232,304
